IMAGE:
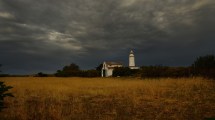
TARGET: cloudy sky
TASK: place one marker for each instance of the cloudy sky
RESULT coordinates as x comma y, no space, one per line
45,35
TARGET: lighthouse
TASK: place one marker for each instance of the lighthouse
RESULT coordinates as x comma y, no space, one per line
132,61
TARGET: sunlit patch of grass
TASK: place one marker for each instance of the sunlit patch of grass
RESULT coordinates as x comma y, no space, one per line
109,98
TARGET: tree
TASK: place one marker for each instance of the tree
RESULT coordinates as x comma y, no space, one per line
205,62
71,67
4,93
69,71
40,74
99,67
204,66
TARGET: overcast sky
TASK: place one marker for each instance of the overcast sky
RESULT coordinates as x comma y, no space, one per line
45,35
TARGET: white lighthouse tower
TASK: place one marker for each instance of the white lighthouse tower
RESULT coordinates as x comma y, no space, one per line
132,61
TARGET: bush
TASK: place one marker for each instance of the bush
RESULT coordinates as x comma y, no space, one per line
3,94
40,74
124,71
73,71
204,66
164,71
69,71
90,73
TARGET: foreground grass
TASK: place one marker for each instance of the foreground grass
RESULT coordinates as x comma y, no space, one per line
109,98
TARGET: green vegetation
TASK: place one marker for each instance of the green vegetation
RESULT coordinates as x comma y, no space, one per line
204,66
73,71
164,71
124,71
4,93
40,74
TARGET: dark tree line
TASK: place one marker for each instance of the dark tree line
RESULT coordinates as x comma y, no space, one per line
164,71
153,72
73,70
40,74
124,71
203,66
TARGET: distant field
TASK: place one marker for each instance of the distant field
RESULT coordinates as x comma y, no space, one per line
109,99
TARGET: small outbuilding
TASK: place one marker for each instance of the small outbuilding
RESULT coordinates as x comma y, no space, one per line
108,67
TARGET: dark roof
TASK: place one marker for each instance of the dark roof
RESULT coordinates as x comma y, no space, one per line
113,63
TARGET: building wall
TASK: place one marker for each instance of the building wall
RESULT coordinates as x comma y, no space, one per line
131,61
109,72
134,67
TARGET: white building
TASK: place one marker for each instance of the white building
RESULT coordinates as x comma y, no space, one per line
108,67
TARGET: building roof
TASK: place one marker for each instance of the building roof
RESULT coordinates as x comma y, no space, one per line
113,63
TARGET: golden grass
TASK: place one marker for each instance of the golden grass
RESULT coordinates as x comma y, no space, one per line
109,98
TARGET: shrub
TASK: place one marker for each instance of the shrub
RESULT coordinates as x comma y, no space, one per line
124,71
164,71
40,74
204,66
4,93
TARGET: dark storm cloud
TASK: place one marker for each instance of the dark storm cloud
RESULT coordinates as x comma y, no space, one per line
44,35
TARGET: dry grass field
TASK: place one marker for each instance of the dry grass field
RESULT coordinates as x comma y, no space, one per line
109,99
